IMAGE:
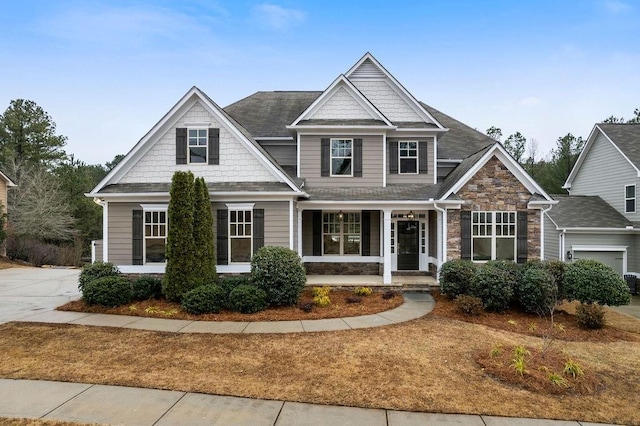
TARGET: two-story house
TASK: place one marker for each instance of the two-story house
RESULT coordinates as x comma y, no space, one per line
599,219
360,178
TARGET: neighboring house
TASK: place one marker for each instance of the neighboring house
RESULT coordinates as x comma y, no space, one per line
601,217
360,178
5,184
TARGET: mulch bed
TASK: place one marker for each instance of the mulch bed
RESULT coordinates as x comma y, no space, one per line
338,308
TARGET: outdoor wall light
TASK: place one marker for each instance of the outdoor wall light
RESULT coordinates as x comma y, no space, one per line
569,255
411,215
340,215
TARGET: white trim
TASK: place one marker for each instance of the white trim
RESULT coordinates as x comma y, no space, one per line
253,195
386,276
326,129
93,251
105,231
10,183
291,224
634,198
340,259
235,268
240,206
155,207
273,138
331,157
157,268
300,231
198,125
384,160
435,159
205,146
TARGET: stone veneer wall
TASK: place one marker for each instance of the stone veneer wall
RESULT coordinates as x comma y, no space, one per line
327,268
494,187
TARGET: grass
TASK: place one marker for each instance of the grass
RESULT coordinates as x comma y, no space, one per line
427,364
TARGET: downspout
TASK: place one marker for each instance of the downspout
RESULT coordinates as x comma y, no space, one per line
542,231
443,243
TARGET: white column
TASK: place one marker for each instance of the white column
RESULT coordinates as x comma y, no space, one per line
291,246
439,238
386,277
444,239
300,232
105,231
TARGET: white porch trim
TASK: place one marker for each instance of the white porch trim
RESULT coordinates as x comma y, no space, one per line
386,277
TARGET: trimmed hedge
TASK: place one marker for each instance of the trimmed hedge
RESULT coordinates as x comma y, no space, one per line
494,284
535,290
456,276
96,270
247,299
590,281
107,291
146,287
280,273
228,284
206,299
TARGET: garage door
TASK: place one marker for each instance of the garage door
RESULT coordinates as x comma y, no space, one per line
611,258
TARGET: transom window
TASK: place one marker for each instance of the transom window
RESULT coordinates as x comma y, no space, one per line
408,152
493,236
240,235
341,157
198,145
341,236
630,199
155,236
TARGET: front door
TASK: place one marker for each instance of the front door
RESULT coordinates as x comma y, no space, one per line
408,246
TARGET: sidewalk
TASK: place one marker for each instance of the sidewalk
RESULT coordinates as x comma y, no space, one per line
136,406
415,306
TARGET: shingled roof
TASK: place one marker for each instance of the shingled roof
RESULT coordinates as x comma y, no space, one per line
626,137
600,213
392,192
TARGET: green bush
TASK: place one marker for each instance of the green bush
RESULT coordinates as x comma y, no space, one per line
535,290
146,287
248,299
96,270
469,305
204,256
456,276
228,284
590,315
590,281
493,284
206,299
280,273
110,291
556,269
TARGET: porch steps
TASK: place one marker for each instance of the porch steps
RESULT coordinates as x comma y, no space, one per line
416,287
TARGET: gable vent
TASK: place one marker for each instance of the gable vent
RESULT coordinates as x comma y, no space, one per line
367,70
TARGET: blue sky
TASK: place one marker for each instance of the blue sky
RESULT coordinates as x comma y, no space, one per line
107,71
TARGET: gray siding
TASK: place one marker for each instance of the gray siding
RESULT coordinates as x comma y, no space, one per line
276,221
284,152
444,169
371,162
120,232
551,240
605,172
414,178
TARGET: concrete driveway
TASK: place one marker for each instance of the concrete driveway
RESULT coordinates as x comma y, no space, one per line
29,291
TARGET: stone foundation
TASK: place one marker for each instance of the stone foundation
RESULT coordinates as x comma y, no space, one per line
330,268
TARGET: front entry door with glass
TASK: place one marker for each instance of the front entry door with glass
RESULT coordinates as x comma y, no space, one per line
408,245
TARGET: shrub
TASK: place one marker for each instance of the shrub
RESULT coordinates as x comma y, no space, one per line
363,291
590,281
280,273
494,285
535,290
204,257
321,301
353,299
228,284
96,270
320,291
110,291
456,276
146,287
306,307
512,269
206,299
390,294
248,299
590,315
556,269
469,305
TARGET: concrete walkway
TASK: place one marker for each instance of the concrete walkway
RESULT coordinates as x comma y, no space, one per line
414,306
102,404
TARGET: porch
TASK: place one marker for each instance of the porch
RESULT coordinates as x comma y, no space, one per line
370,281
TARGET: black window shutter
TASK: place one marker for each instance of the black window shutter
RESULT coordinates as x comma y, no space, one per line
325,157
181,145
223,236
214,146
357,157
465,235
423,161
138,239
393,158
258,229
522,237
366,233
316,218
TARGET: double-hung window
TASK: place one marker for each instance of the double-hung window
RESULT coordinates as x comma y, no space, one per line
240,235
630,199
197,142
341,233
408,153
493,236
155,236
341,157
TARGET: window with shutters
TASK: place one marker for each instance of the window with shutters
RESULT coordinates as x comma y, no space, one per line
341,233
155,236
493,236
240,235
197,144
408,157
630,199
341,157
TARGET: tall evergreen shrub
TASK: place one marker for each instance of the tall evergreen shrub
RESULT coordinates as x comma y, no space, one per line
204,261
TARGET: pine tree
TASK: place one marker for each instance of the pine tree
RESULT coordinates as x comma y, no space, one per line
179,274
205,256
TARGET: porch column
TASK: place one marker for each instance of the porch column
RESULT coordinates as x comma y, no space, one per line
386,277
105,231
300,232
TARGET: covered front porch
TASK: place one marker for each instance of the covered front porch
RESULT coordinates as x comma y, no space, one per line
400,281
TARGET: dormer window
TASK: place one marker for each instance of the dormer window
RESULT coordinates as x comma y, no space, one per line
408,152
341,157
630,199
197,146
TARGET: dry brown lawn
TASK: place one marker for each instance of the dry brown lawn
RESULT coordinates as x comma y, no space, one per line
38,422
428,364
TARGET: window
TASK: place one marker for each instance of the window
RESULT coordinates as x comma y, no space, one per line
630,199
341,233
493,236
408,152
198,145
240,236
341,157
155,236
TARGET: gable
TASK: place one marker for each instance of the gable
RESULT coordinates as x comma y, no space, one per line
387,100
237,164
341,105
